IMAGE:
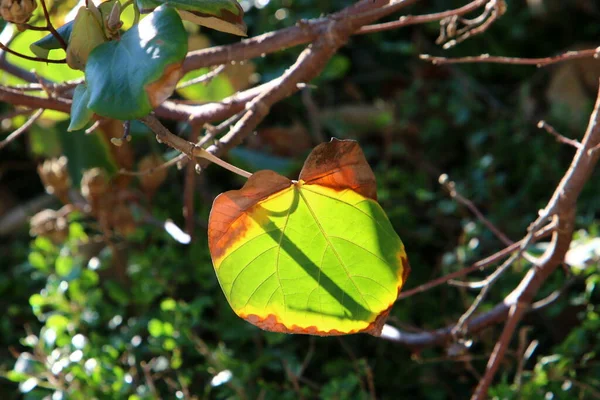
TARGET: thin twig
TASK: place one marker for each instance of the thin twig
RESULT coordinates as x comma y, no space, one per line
494,9
31,58
522,354
148,376
421,19
50,27
559,138
174,161
93,127
293,378
206,78
186,147
539,62
451,187
479,265
560,207
486,287
22,129
189,188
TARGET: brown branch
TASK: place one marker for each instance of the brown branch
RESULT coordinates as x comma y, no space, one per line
17,97
421,19
189,189
539,62
31,58
50,27
559,138
561,207
163,135
451,188
478,266
308,31
303,32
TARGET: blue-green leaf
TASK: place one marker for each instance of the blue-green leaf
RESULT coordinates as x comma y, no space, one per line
127,78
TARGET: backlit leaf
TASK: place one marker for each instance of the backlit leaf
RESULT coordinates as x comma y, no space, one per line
87,34
222,15
127,78
315,256
42,47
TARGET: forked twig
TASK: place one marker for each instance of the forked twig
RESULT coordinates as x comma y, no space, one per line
22,129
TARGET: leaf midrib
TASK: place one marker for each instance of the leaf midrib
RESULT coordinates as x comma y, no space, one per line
330,244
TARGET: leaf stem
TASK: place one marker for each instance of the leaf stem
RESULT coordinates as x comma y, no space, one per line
190,149
200,152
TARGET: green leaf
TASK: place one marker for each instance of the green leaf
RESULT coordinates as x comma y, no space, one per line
42,47
168,305
80,113
315,256
127,78
155,328
37,260
222,15
88,33
57,322
37,300
64,265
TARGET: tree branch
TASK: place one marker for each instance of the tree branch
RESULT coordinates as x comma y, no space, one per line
561,208
538,62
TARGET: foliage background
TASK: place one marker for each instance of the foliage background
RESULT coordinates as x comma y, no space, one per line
149,319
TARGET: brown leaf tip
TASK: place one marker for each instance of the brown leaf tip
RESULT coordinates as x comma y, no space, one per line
340,165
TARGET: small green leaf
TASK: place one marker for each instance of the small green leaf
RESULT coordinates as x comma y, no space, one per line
106,9
37,300
155,328
42,47
37,261
44,244
127,78
16,376
57,322
222,15
168,305
64,265
80,113
77,232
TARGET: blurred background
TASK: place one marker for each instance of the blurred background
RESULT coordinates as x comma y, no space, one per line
114,306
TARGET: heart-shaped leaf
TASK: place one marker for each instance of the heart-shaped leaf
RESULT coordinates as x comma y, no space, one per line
129,77
222,15
315,256
42,47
